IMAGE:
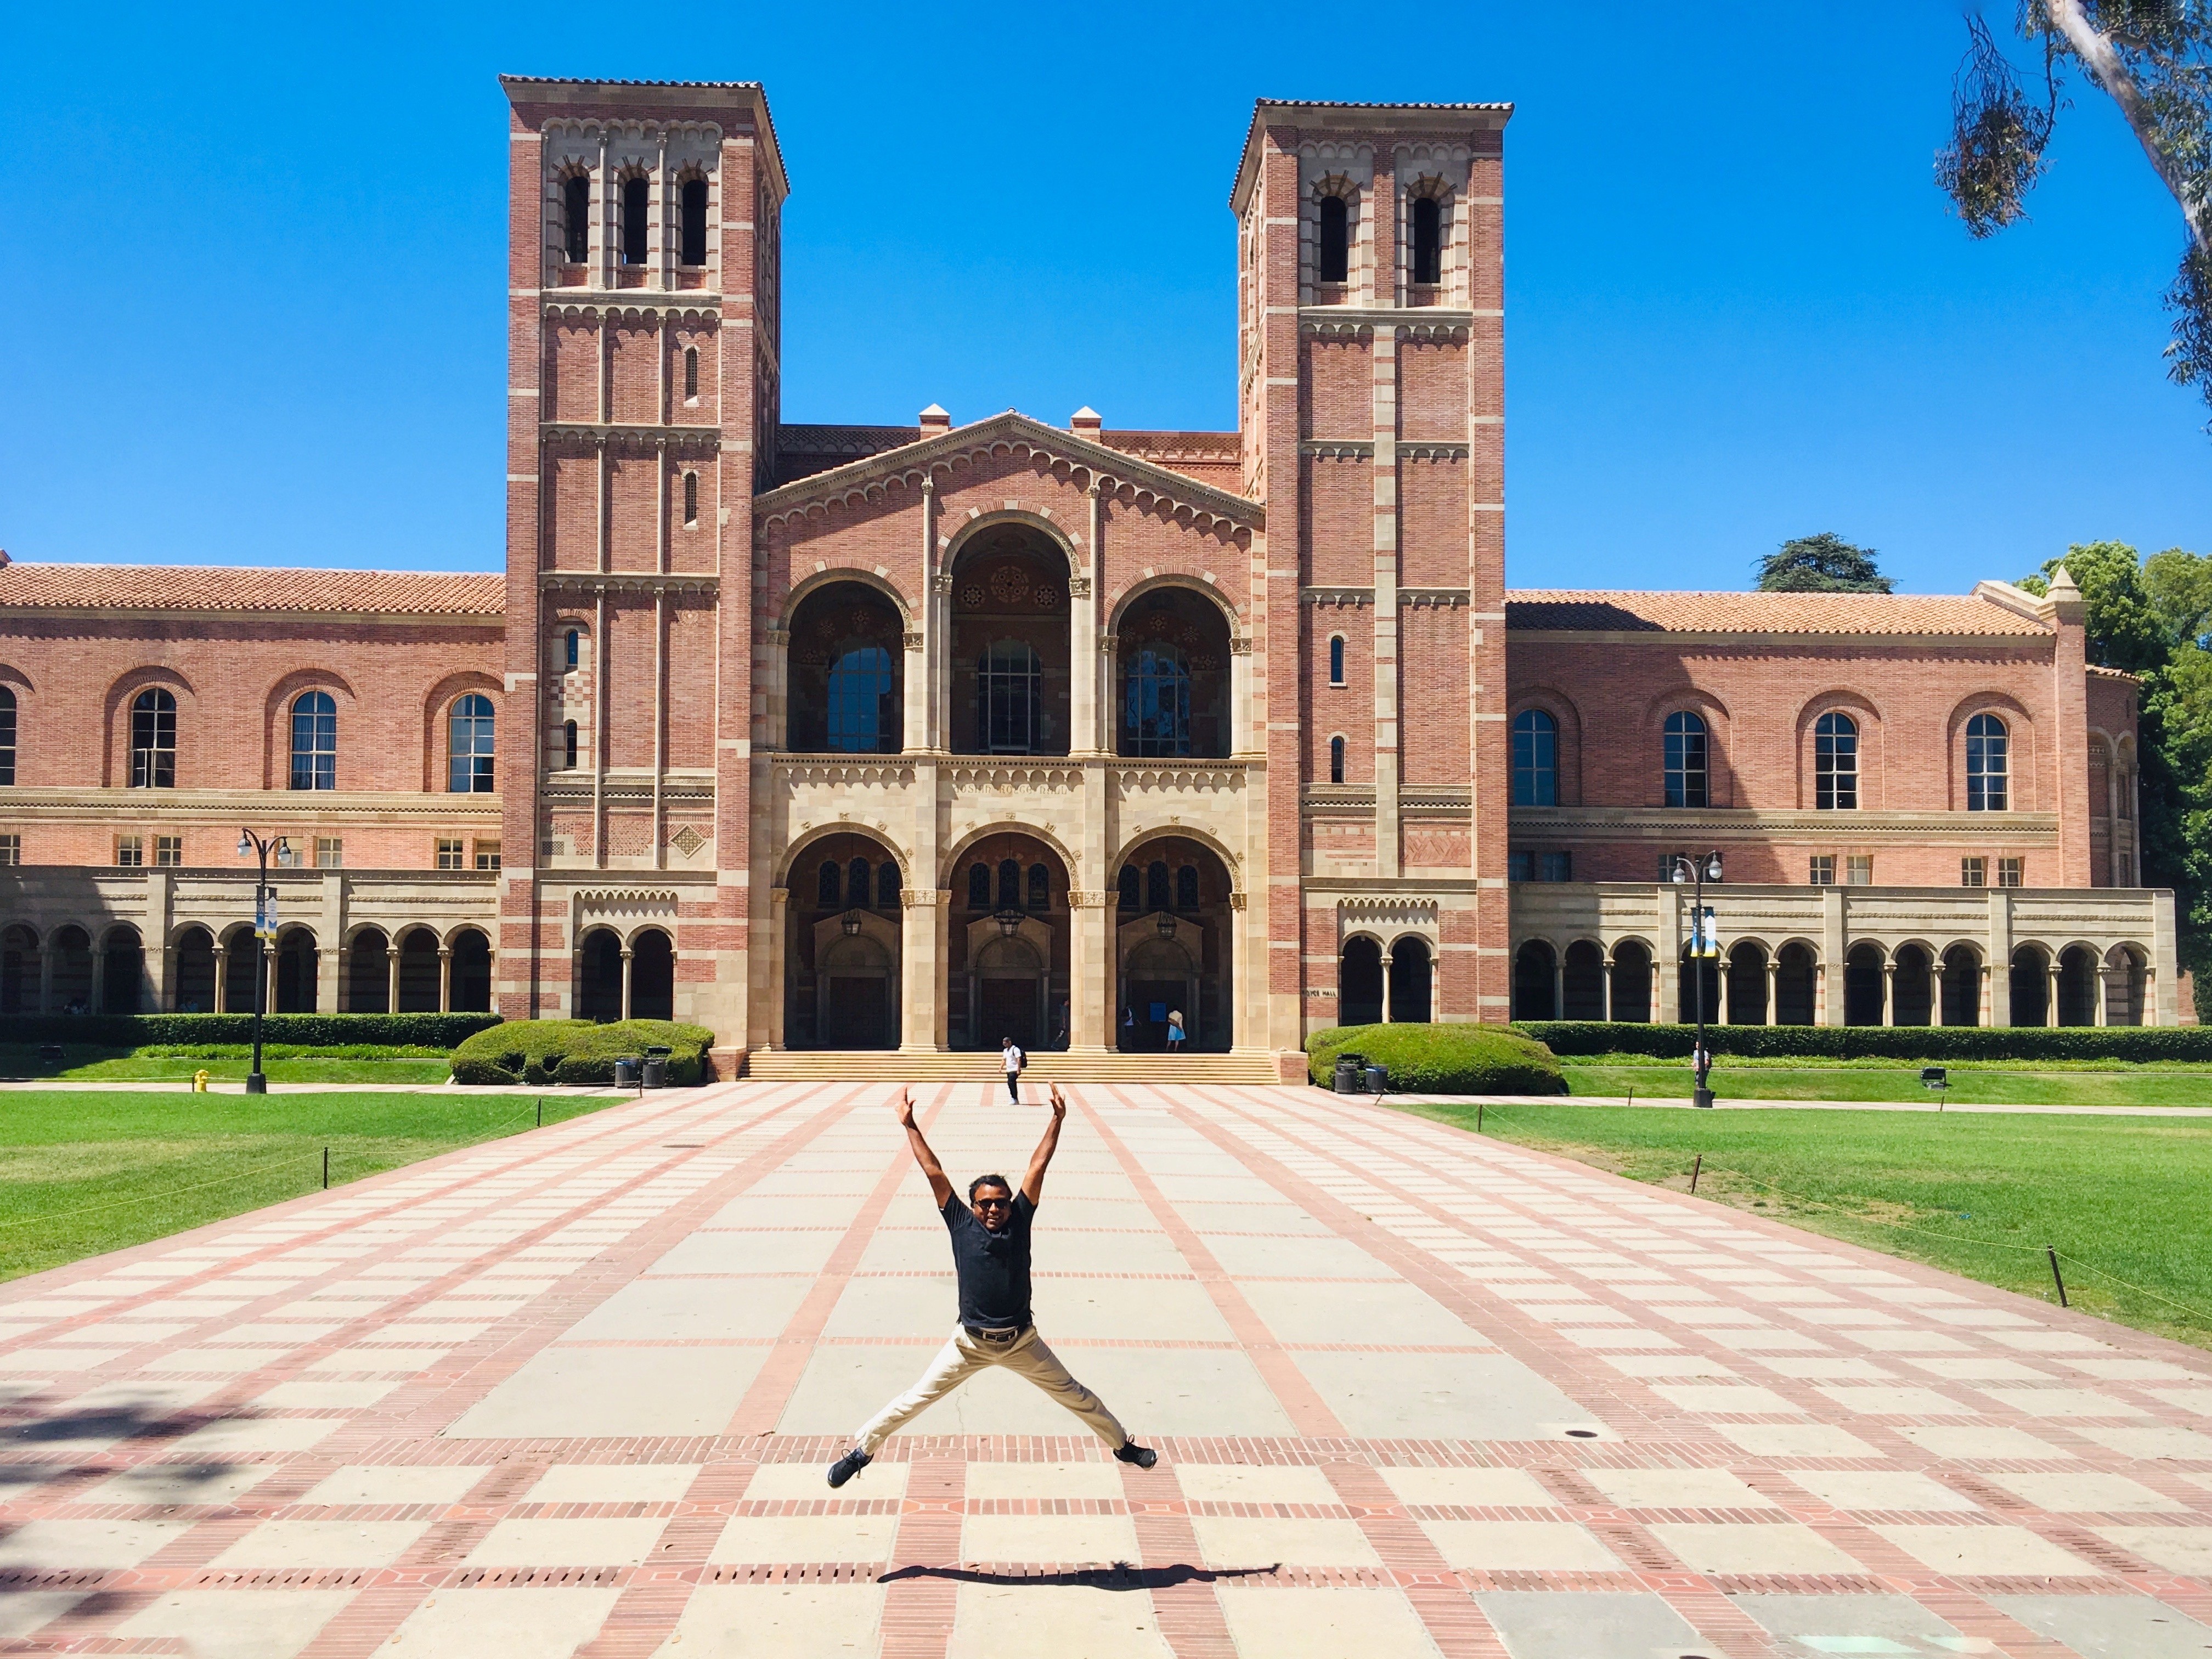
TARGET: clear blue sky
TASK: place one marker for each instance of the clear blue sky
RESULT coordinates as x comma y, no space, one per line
252,267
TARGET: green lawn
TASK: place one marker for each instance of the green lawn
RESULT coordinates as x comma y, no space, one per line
1976,1194
84,1171
2130,1085
280,1063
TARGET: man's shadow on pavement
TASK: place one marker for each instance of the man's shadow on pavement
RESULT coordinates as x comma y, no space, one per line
1119,1576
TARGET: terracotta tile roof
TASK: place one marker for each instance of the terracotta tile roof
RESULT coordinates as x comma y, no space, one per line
1543,611
216,587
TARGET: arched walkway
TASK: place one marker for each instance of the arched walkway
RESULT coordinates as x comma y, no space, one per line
1412,982
600,975
1173,950
471,973
842,945
1691,972
2077,987
1359,982
1913,987
2031,994
1582,978
1862,985
652,975
2126,982
241,959
1795,985
122,972
1962,986
366,985
192,990
1532,980
296,972
18,971
1747,985
70,947
418,971
1631,982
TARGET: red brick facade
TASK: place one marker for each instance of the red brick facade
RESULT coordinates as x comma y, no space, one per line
682,566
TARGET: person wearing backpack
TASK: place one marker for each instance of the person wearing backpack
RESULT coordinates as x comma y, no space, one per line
1016,1060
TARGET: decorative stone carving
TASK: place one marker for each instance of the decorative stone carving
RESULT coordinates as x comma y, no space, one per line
913,641
1078,901
913,898
1240,647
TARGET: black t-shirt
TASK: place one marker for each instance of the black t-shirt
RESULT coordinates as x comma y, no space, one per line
993,1267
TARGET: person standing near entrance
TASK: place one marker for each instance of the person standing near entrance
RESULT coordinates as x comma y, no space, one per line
1175,1031
991,1256
1015,1060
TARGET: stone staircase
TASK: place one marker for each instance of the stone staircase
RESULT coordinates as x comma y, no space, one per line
981,1066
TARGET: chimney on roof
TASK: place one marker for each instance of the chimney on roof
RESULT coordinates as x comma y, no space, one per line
1086,421
935,419
3,558
2063,604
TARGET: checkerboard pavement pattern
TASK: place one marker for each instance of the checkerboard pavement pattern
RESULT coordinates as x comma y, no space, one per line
1416,1393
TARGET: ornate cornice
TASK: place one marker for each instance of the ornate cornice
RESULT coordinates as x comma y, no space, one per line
699,440
1127,476
1842,829
627,581
626,304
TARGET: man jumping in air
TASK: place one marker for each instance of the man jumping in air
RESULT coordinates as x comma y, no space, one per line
991,1254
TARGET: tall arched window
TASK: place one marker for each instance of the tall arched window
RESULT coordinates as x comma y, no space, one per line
825,885
1010,699
1010,884
978,887
7,736
1335,261
1156,701
690,371
154,740
572,649
860,690
887,885
860,882
1428,240
576,219
1187,888
1835,763
568,744
1535,759
1157,894
1336,760
690,498
694,251
1040,888
315,741
470,771
635,195
1336,660
1989,764
1129,886
1685,760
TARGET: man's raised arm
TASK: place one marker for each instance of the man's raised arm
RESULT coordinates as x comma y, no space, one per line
940,1187
1033,1182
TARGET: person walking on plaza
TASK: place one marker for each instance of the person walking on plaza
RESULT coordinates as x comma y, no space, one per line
1015,1060
991,1257
1175,1031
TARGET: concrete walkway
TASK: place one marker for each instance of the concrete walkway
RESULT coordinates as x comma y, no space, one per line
1929,1106
1416,1394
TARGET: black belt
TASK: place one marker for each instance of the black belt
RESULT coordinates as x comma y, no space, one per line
995,1332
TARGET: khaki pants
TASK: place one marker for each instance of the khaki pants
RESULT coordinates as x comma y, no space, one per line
1026,1356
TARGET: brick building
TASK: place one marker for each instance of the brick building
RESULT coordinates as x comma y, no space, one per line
873,737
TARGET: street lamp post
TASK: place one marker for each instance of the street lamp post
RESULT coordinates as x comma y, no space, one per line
261,845
1697,873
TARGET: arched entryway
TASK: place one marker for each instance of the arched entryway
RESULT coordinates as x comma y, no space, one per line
651,975
1698,975
2077,985
1583,981
192,987
1172,946
1359,982
1631,982
418,971
1913,987
2126,981
841,948
242,969
366,986
70,947
1796,984
1747,984
1962,986
1862,985
296,972
598,975
18,971
123,971
471,973
1172,666
2030,984
1532,980
1011,653
1412,982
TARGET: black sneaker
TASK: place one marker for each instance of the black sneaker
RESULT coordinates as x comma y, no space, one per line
1143,1456
848,1466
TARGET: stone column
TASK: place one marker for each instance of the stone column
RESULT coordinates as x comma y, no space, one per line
1606,1012
444,979
2051,991
96,997
1820,994
2104,994
1774,991
1718,1013
2149,1014
1558,989
1090,946
1386,988
779,919
1086,726
390,979
46,975
1986,1014
921,967
1889,992
221,978
626,958
269,986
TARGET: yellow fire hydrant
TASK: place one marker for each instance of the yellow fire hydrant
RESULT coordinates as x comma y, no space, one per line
200,1080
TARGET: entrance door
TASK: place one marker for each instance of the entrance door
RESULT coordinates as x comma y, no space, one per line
855,1015
1008,1010
1150,1002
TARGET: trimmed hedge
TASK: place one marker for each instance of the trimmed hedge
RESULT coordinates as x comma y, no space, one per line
306,1030
1933,1042
1441,1060
577,1051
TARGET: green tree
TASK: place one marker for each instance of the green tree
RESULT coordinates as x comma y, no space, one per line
2153,59
2153,617
1824,563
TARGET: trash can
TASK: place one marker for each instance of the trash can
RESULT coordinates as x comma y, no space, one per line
626,1072
656,1068
1378,1079
1347,1073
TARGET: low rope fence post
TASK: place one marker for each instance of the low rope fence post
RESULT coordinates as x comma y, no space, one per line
2055,1279
326,1169
541,1111
1694,1169
1478,1117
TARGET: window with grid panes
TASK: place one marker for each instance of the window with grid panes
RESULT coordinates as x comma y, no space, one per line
2009,871
168,851
11,849
487,855
1973,872
453,854
130,852
329,852
1858,869
1824,870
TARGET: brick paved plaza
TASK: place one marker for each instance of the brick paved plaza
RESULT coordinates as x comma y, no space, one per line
1415,1393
